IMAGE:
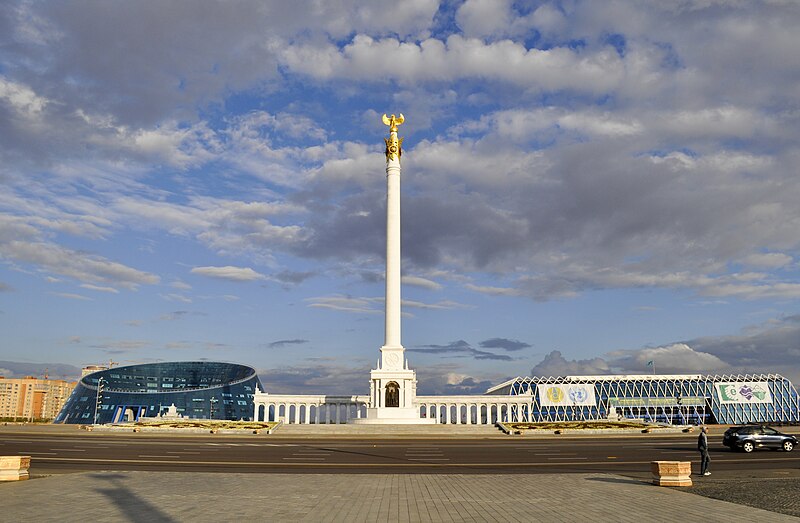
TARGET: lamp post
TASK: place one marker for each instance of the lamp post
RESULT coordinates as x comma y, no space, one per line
212,401
97,399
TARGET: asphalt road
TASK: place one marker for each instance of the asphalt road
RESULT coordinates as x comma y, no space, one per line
55,452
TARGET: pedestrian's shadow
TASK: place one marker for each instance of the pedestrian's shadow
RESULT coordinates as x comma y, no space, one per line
131,505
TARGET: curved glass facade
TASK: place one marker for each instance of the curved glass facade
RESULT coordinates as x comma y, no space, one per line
198,389
674,399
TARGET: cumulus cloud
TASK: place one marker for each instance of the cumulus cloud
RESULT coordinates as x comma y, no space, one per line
458,58
551,150
773,346
450,383
678,358
664,184
554,364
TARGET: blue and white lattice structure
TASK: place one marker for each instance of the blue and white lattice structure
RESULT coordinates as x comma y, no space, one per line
675,399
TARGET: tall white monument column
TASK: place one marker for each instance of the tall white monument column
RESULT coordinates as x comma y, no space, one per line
392,350
393,386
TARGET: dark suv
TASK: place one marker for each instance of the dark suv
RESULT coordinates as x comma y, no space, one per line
751,437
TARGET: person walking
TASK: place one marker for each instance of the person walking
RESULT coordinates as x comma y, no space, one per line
702,446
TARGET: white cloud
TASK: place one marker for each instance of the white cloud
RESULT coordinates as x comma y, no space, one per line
493,291
229,227
81,266
71,296
442,305
229,273
550,150
554,364
99,288
176,297
772,260
479,18
433,60
347,304
21,98
677,358
180,285
53,258
418,281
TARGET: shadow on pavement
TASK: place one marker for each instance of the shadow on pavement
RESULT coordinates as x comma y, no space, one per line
626,481
132,506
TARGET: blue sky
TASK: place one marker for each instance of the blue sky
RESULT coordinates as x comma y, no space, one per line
587,186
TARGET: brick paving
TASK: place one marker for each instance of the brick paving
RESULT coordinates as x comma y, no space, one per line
178,496
776,494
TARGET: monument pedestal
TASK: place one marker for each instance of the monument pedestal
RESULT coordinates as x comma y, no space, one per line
393,391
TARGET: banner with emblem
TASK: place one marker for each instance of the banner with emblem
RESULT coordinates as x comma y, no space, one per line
744,392
578,395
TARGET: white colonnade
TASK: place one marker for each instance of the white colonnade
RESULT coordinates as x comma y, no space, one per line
308,408
475,410
323,409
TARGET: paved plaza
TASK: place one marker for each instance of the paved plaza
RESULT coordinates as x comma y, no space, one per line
197,497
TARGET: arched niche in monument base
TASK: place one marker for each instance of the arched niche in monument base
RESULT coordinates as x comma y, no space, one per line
392,394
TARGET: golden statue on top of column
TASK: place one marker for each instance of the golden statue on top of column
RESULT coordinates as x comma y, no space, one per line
393,143
393,121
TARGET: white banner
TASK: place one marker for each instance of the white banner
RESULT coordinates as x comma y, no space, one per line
744,392
579,395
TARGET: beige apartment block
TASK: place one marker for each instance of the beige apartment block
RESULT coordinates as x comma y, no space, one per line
32,398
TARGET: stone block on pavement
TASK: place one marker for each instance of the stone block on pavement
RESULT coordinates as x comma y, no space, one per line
14,468
671,473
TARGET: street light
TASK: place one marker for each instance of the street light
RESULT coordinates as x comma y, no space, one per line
100,387
212,401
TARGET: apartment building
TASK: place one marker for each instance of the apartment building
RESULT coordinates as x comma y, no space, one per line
32,398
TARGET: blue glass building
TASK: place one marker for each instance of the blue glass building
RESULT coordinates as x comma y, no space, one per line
675,399
198,389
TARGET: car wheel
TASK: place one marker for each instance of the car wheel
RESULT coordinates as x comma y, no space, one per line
748,446
788,446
